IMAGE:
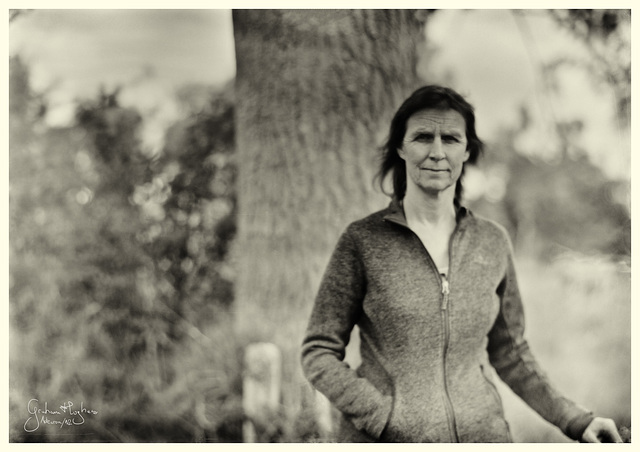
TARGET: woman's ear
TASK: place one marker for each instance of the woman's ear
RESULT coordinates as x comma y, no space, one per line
400,152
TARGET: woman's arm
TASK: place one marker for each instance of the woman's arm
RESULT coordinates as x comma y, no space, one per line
510,355
336,310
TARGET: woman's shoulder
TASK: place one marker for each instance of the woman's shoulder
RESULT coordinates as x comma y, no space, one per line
371,222
490,229
368,231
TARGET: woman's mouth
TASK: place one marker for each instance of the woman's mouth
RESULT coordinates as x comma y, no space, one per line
435,170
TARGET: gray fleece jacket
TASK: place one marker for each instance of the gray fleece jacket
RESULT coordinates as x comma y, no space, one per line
426,341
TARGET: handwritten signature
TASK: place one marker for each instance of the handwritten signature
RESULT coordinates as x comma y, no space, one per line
65,415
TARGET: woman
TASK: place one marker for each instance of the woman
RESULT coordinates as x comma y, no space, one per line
434,293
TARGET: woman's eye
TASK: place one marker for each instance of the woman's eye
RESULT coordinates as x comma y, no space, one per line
449,139
423,137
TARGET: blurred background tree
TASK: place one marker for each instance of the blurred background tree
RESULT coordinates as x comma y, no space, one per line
315,92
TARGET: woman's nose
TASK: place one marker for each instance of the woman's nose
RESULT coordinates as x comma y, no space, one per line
436,152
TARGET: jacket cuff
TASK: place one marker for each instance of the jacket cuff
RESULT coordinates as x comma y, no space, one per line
384,434
381,419
578,425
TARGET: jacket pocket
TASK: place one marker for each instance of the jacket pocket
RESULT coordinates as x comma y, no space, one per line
393,431
380,379
408,421
496,396
492,388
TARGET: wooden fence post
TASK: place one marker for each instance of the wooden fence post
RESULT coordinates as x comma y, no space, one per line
260,387
323,412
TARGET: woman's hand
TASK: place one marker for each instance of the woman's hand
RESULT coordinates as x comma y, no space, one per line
601,430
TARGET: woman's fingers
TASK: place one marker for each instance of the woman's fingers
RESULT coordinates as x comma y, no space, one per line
601,430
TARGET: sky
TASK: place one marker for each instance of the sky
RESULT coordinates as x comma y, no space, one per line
493,55
85,46
151,53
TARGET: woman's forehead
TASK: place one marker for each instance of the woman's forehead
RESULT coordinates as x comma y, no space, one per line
432,117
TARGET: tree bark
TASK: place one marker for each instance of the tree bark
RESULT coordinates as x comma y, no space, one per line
315,92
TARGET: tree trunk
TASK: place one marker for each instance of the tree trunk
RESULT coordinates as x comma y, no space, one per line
315,92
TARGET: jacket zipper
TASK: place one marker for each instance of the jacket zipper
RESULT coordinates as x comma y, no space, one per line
445,347
444,285
445,321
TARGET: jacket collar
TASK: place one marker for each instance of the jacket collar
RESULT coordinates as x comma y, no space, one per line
395,212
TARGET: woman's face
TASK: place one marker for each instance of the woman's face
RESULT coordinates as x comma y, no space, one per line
434,149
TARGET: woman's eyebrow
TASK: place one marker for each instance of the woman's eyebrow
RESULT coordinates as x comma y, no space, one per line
455,132
422,129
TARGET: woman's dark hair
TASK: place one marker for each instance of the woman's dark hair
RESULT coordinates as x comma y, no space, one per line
430,96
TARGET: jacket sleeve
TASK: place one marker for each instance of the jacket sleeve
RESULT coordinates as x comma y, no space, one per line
510,355
336,310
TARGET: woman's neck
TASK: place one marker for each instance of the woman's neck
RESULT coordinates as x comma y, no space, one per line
437,209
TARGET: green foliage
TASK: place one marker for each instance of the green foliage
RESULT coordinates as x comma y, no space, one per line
97,316
115,147
26,107
589,23
556,205
191,205
606,35
569,205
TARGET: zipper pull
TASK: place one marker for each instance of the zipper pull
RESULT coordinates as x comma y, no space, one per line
445,292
